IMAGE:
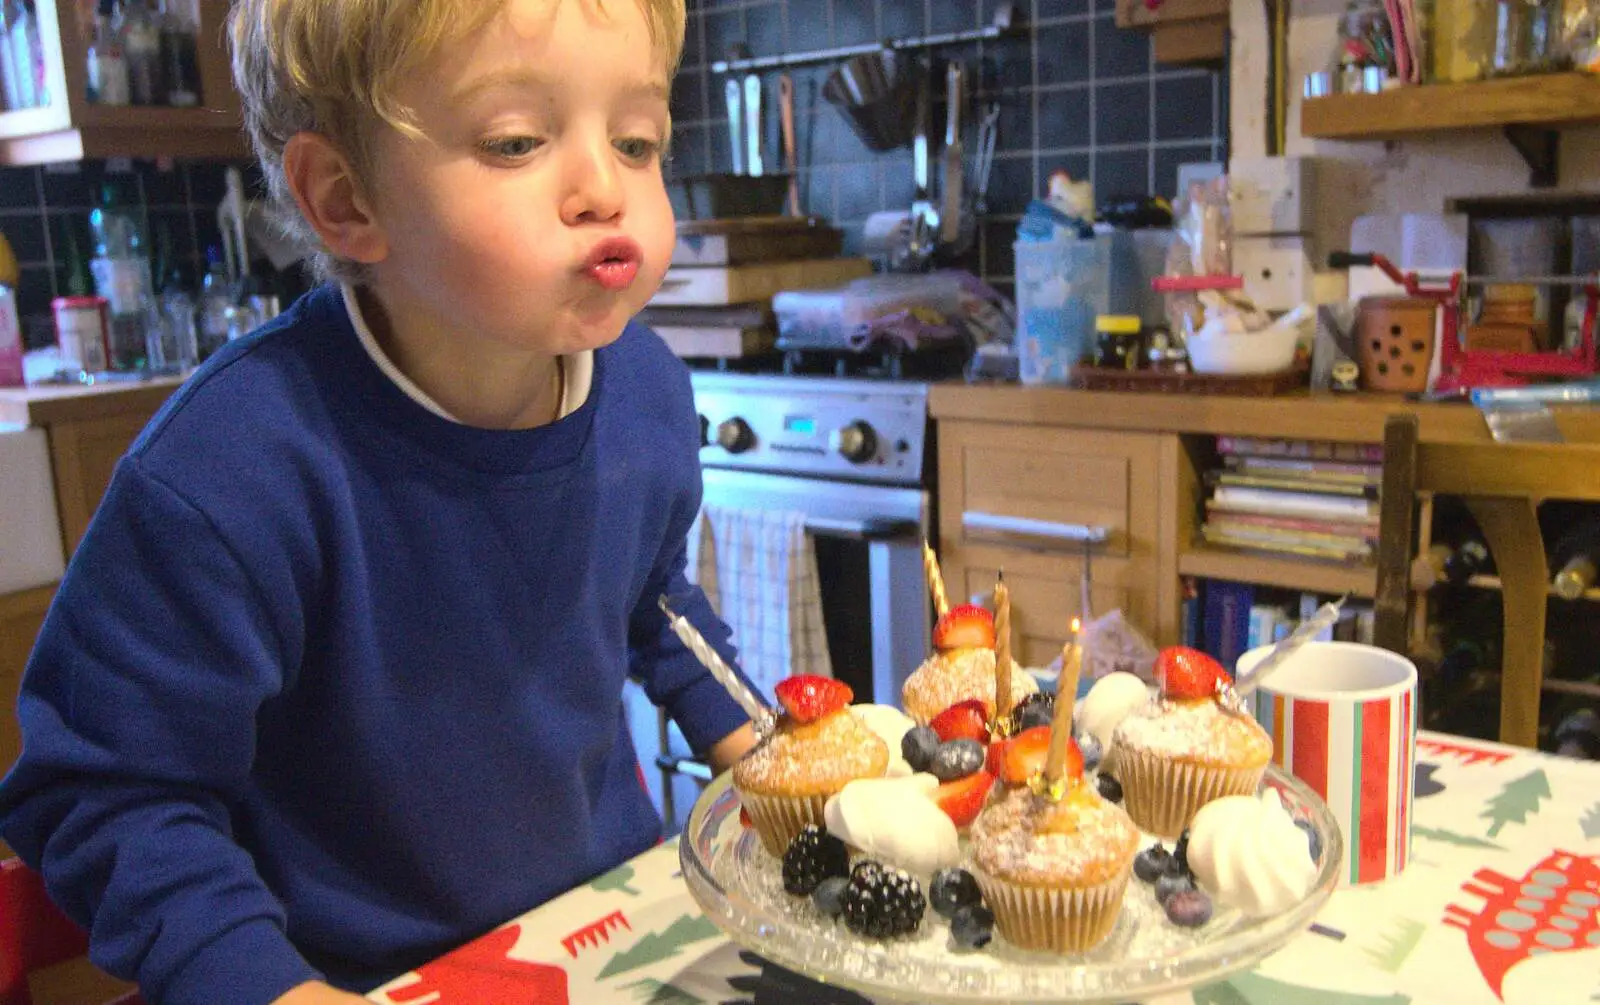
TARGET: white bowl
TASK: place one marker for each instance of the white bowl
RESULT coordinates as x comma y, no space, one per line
1267,351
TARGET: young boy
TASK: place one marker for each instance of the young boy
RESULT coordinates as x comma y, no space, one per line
333,683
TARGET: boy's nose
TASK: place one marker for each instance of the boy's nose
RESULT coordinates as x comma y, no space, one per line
594,188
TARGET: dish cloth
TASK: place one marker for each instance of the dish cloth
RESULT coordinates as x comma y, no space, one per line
759,570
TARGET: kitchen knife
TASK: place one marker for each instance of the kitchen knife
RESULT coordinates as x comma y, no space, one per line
954,156
752,123
735,123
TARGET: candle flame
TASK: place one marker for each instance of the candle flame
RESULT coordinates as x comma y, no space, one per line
1077,625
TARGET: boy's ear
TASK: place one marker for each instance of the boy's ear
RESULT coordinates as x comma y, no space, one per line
331,200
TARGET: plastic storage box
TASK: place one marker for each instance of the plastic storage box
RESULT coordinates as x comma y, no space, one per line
1062,285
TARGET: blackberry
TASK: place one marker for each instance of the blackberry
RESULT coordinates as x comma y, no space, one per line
956,759
1110,788
952,890
1180,854
812,857
881,903
829,895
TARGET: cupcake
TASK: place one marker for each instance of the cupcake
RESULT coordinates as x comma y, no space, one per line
1189,746
1053,871
961,668
817,746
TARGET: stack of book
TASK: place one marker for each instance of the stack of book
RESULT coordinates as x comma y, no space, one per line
716,299
1295,497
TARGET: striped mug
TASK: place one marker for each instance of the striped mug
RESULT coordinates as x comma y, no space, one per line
1343,719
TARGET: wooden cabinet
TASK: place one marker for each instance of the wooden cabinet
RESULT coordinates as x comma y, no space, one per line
21,614
1015,498
70,128
1182,32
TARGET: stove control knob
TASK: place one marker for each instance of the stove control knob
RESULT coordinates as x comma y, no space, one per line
856,443
735,436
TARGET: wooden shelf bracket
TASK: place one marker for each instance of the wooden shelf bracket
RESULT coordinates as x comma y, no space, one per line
1540,147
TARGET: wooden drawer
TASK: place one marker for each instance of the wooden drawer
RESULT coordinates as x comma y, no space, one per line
1046,593
1028,487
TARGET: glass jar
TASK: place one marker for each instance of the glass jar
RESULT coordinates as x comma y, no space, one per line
1527,37
1463,38
1364,42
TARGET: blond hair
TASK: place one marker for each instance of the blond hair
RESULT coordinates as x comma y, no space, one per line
333,66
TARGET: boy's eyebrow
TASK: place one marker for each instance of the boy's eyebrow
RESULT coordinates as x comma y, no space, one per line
526,78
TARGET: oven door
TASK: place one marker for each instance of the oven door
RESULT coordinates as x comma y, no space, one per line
868,541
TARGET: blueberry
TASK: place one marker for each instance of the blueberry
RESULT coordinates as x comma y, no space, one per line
829,895
918,747
952,890
1313,839
1110,788
1033,714
1151,864
1089,747
972,927
1169,885
1180,854
957,759
1188,908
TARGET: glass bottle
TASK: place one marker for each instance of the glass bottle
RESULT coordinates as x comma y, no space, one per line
141,45
215,299
121,268
179,55
108,67
174,346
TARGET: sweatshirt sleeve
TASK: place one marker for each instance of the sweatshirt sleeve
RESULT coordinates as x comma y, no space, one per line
138,712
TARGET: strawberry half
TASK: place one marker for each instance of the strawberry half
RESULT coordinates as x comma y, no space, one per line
965,720
1023,756
963,799
966,626
1187,674
744,818
808,698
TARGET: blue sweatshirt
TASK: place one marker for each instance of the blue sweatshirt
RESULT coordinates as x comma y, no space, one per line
333,685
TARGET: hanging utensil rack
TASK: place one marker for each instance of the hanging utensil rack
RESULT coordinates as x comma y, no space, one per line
1004,23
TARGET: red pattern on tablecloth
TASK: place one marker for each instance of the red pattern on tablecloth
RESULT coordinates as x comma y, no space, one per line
594,933
481,972
1467,753
1551,909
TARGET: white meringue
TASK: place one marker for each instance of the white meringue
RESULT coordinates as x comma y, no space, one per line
1108,702
1247,852
892,725
895,820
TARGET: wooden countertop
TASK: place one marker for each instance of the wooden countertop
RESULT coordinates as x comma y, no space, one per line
1355,418
45,404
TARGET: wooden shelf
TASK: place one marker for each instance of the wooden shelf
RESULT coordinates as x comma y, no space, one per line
1270,570
1581,688
1493,583
1548,100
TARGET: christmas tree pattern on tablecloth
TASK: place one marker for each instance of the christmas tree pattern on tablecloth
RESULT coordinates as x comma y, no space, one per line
1425,784
595,932
653,992
617,879
1591,822
1551,909
1393,946
1516,800
653,947
1254,989
1451,837
483,971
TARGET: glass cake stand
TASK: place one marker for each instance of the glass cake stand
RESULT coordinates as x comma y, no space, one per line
740,888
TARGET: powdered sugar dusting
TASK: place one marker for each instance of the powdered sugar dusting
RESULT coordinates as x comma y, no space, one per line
803,759
1081,841
943,680
1195,730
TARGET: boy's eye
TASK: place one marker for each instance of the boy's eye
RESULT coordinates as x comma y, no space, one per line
637,149
510,147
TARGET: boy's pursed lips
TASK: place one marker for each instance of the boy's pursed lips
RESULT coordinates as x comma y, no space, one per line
614,262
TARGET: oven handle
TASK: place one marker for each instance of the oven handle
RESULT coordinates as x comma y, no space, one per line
871,529
1042,533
